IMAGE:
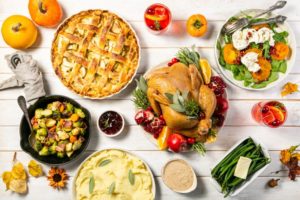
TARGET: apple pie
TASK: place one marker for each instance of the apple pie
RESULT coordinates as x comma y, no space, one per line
95,53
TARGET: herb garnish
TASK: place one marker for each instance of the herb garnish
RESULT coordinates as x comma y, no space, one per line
111,188
157,25
181,103
140,94
131,177
91,184
187,57
104,162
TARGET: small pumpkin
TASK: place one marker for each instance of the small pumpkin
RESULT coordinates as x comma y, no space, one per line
19,32
265,70
231,55
280,51
47,13
196,25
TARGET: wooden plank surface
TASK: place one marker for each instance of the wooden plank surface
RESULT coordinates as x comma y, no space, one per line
155,50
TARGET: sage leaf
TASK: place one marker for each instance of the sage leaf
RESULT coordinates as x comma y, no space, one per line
104,162
111,188
131,177
175,98
142,84
185,94
177,108
169,96
91,184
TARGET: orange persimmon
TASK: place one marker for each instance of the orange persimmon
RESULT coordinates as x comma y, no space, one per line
265,70
47,13
281,51
196,25
230,54
259,26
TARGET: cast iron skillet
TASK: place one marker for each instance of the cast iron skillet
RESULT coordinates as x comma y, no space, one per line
25,131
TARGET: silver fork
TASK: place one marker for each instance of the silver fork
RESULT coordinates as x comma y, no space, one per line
242,22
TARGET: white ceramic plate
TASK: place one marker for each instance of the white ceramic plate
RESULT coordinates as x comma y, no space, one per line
290,62
96,153
214,73
253,177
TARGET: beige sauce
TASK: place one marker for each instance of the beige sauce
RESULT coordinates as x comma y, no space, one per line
178,175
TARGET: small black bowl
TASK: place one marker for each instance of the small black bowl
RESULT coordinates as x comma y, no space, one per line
25,131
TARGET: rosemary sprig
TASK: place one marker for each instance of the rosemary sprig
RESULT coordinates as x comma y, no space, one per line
199,147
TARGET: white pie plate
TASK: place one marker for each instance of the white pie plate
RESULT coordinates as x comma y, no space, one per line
133,76
148,135
252,178
290,62
96,153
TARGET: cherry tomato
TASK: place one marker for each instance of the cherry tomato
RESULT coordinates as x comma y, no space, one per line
191,140
175,142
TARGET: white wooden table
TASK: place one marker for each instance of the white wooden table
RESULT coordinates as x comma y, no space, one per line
156,49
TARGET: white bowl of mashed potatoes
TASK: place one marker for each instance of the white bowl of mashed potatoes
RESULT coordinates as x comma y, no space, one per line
113,174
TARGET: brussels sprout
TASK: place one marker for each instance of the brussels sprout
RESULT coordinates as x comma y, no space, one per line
69,153
62,135
35,126
44,151
49,141
76,131
69,147
52,149
60,154
38,113
77,144
42,132
78,124
42,123
47,113
79,112
70,107
50,122
38,145
39,137
56,114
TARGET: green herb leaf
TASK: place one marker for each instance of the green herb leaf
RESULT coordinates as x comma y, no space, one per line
91,184
157,25
169,96
142,84
111,188
104,162
177,108
266,49
280,37
293,148
199,147
187,56
131,177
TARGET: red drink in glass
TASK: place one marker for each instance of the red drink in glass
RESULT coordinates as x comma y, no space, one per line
272,113
157,18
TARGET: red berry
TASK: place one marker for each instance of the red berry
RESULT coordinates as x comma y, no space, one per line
201,115
174,60
170,64
156,135
191,140
276,122
222,105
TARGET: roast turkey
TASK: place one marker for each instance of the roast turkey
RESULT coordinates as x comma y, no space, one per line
183,78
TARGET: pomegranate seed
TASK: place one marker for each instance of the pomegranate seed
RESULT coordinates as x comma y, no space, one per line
265,109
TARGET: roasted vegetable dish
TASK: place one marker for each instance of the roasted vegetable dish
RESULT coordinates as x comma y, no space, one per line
59,129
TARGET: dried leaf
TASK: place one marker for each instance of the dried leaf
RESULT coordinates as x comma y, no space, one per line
18,185
289,88
285,156
6,177
131,177
35,169
291,161
297,155
18,171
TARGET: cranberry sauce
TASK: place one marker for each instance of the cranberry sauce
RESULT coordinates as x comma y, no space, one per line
110,122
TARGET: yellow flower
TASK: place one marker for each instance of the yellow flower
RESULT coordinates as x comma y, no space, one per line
285,156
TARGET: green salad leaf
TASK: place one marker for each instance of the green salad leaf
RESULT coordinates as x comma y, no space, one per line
281,37
279,66
266,49
273,77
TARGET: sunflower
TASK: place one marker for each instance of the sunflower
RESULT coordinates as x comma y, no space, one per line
57,177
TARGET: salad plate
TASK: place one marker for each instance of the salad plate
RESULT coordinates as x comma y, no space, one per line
257,57
160,123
